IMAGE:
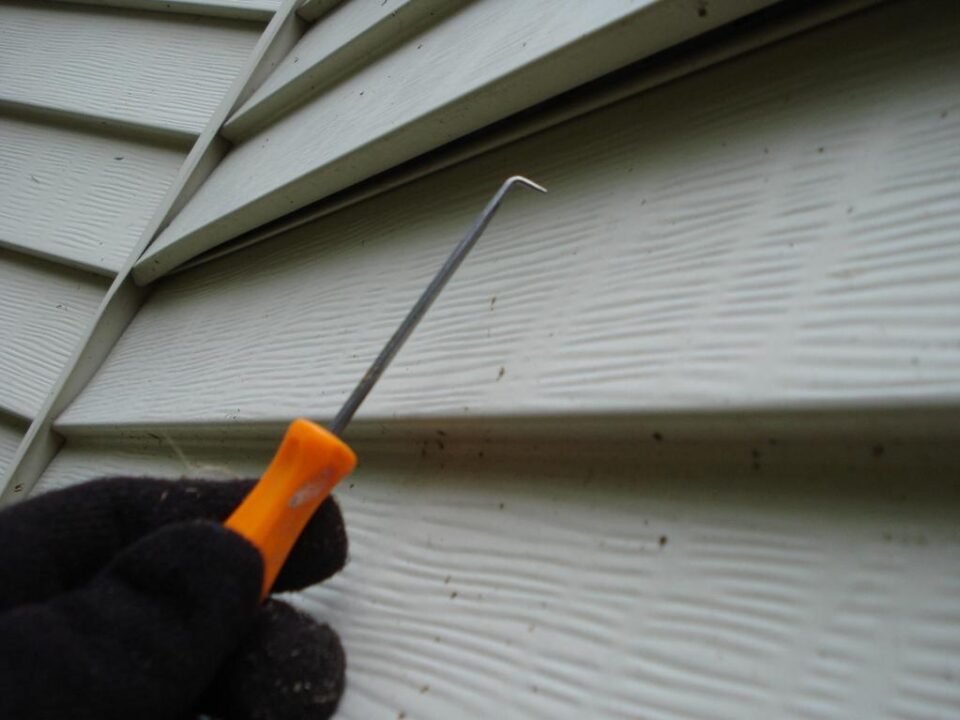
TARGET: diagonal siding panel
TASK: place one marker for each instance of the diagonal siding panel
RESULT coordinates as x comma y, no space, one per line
148,69
479,65
45,311
80,197
345,41
779,231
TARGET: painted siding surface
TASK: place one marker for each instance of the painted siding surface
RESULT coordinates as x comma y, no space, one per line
348,38
78,196
790,244
676,442
98,109
682,583
10,434
45,310
259,10
582,492
146,69
491,59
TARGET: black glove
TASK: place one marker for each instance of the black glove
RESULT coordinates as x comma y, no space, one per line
126,598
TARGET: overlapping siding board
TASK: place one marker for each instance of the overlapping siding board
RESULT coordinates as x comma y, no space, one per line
774,248
676,582
471,67
45,310
258,10
99,106
78,196
146,70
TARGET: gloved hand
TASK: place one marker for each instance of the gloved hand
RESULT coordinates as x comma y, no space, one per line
126,598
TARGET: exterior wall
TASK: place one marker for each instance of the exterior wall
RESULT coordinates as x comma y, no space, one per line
675,442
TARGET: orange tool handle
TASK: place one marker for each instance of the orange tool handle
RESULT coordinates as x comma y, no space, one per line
309,463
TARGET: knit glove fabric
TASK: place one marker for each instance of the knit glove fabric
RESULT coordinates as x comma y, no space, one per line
127,598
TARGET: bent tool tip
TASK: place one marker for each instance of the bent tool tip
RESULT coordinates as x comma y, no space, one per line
521,180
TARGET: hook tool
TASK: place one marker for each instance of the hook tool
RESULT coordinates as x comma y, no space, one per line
311,460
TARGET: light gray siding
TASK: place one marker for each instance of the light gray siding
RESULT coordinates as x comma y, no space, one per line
45,309
99,108
677,441
163,71
80,197
257,10
782,250
475,66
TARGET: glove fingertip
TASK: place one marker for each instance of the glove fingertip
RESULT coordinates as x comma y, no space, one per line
320,552
288,666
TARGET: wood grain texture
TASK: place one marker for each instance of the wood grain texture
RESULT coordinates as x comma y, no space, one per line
740,238
80,197
44,310
477,66
257,10
349,38
155,69
10,434
673,582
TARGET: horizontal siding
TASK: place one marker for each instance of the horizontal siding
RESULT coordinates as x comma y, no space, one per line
140,69
45,309
11,431
493,58
259,10
776,232
81,197
677,583
347,39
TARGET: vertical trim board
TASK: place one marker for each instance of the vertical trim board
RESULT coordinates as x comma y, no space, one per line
777,248
481,64
82,198
155,69
46,309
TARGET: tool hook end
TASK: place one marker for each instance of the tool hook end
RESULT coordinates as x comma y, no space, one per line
521,180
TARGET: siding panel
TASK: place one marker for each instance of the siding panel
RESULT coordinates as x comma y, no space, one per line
776,232
10,434
260,10
489,60
345,41
154,69
80,197
676,582
45,310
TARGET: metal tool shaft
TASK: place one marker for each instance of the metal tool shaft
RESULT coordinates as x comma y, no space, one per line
423,304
